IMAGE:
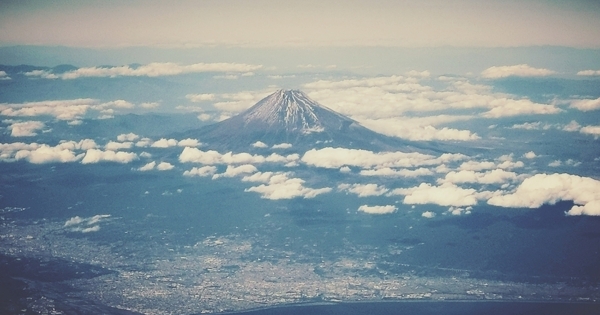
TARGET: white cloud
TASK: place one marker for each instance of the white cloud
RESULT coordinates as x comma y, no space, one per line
364,190
127,137
528,126
428,214
446,194
586,104
460,210
144,142
389,172
149,105
25,129
259,144
47,154
148,167
115,146
64,109
84,144
530,155
588,72
8,150
200,97
96,156
150,70
4,76
345,169
195,155
591,130
203,171
412,129
204,117
164,166
262,177
282,146
280,186
164,143
289,160
377,209
497,176
572,126
189,143
551,188
233,171
522,70
507,108
339,157
86,225
555,163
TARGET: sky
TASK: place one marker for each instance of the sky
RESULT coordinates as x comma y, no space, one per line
270,23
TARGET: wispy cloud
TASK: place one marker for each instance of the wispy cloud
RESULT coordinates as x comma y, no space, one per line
522,70
150,70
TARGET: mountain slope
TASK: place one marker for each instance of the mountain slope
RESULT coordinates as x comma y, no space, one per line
290,116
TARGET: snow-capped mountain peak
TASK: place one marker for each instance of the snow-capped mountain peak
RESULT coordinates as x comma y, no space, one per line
290,116
293,111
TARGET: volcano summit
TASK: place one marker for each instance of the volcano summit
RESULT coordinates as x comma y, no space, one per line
290,116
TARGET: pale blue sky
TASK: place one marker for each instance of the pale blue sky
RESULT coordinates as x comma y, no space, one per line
270,23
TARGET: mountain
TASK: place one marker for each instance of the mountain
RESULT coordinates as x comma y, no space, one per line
290,116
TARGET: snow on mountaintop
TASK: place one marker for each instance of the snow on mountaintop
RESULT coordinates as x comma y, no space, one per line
293,111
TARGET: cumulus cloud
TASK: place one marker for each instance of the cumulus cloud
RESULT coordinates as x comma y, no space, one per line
233,171
154,69
200,97
572,126
497,176
164,143
530,155
149,105
147,167
115,146
363,190
428,214
541,189
588,72
412,129
203,171
522,70
47,154
259,144
64,109
377,209
460,210
86,225
280,186
446,194
25,128
189,143
4,76
96,156
586,105
591,130
282,146
339,157
389,172
127,137
508,108
164,166
195,155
